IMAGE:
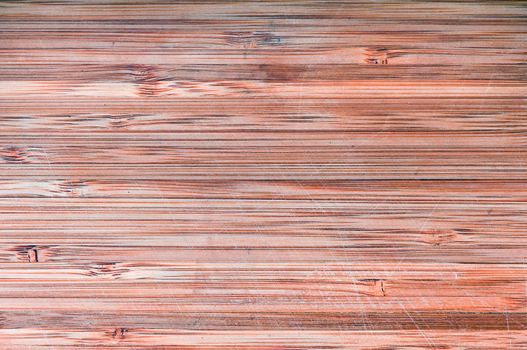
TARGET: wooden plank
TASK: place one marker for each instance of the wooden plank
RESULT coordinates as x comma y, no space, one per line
259,340
263,175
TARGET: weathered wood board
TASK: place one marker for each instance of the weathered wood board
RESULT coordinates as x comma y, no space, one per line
263,175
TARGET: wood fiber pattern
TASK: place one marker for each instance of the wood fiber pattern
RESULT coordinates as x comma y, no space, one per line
263,175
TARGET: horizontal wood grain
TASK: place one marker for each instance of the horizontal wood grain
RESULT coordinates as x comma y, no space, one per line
261,340
263,175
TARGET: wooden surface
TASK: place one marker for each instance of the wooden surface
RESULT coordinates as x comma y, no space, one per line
267,175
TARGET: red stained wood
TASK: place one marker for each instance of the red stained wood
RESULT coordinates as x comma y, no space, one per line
263,175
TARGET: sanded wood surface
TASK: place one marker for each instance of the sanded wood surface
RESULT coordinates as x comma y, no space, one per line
263,175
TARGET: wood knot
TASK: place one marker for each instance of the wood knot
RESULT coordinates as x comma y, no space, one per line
376,288
144,73
376,56
148,81
439,237
119,122
119,333
381,287
15,155
72,188
106,270
31,253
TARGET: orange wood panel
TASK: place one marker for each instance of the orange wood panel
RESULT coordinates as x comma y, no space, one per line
258,175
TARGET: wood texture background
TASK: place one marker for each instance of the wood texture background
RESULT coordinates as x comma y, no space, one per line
263,175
